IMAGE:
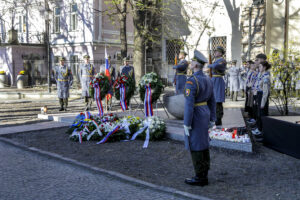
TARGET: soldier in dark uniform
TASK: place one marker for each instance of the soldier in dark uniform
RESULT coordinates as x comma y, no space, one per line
181,71
199,115
126,69
87,72
218,71
64,81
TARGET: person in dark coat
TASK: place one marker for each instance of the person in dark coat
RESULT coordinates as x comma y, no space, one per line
64,81
127,70
218,71
87,73
199,115
181,71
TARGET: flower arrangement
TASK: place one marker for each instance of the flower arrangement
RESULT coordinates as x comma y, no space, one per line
97,128
129,85
155,83
157,128
102,81
2,72
22,72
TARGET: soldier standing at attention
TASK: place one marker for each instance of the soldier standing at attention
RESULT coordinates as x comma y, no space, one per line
218,71
87,73
234,72
181,71
199,115
64,81
126,69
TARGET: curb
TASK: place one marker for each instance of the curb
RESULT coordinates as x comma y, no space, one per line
113,174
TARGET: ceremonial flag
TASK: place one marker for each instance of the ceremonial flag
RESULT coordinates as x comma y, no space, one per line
107,65
107,73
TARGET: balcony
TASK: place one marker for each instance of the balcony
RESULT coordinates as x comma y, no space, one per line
24,37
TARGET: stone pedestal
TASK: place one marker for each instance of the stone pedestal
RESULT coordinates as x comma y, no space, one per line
2,80
22,81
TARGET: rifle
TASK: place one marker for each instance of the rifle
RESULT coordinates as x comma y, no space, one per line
209,58
175,63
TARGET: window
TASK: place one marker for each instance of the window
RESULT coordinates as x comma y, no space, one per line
74,20
22,24
173,48
56,21
218,41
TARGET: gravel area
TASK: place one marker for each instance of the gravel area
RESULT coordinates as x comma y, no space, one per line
265,174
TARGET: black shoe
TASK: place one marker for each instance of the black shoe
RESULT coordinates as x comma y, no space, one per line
196,181
61,109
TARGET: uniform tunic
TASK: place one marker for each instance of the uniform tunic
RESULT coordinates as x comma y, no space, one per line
180,78
243,78
127,71
198,117
64,80
87,72
218,71
234,73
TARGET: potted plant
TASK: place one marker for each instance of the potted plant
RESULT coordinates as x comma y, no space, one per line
2,79
22,80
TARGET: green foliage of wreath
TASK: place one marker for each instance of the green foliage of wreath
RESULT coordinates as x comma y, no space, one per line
156,86
130,88
103,83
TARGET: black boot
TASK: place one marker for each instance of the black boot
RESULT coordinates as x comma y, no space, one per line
66,104
199,181
235,96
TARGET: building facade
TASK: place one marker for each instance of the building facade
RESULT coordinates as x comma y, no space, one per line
75,28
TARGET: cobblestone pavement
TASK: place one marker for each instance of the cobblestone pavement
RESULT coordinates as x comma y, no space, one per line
25,175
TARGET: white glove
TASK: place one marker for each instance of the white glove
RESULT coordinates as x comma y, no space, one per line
211,124
187,130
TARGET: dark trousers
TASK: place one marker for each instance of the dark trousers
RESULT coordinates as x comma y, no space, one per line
247,108
261,112
201,162
219,113
254,108
63,103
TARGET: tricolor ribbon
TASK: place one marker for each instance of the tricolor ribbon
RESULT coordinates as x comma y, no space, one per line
148,102
123,97
146,126
109,134
98,99
87,115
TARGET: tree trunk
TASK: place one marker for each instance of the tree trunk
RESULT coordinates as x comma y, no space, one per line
139,11
123,35
139,55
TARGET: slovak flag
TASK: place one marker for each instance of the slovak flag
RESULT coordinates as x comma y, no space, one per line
107,65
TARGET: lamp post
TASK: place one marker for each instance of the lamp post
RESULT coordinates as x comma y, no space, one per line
47,42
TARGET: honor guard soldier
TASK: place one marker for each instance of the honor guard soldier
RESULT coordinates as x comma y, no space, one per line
64,81
87,73
126,69
112,72
234,73
199,115
181,71
243,78
218,71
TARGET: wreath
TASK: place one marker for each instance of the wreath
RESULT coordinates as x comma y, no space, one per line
103,82
129,85
155,84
